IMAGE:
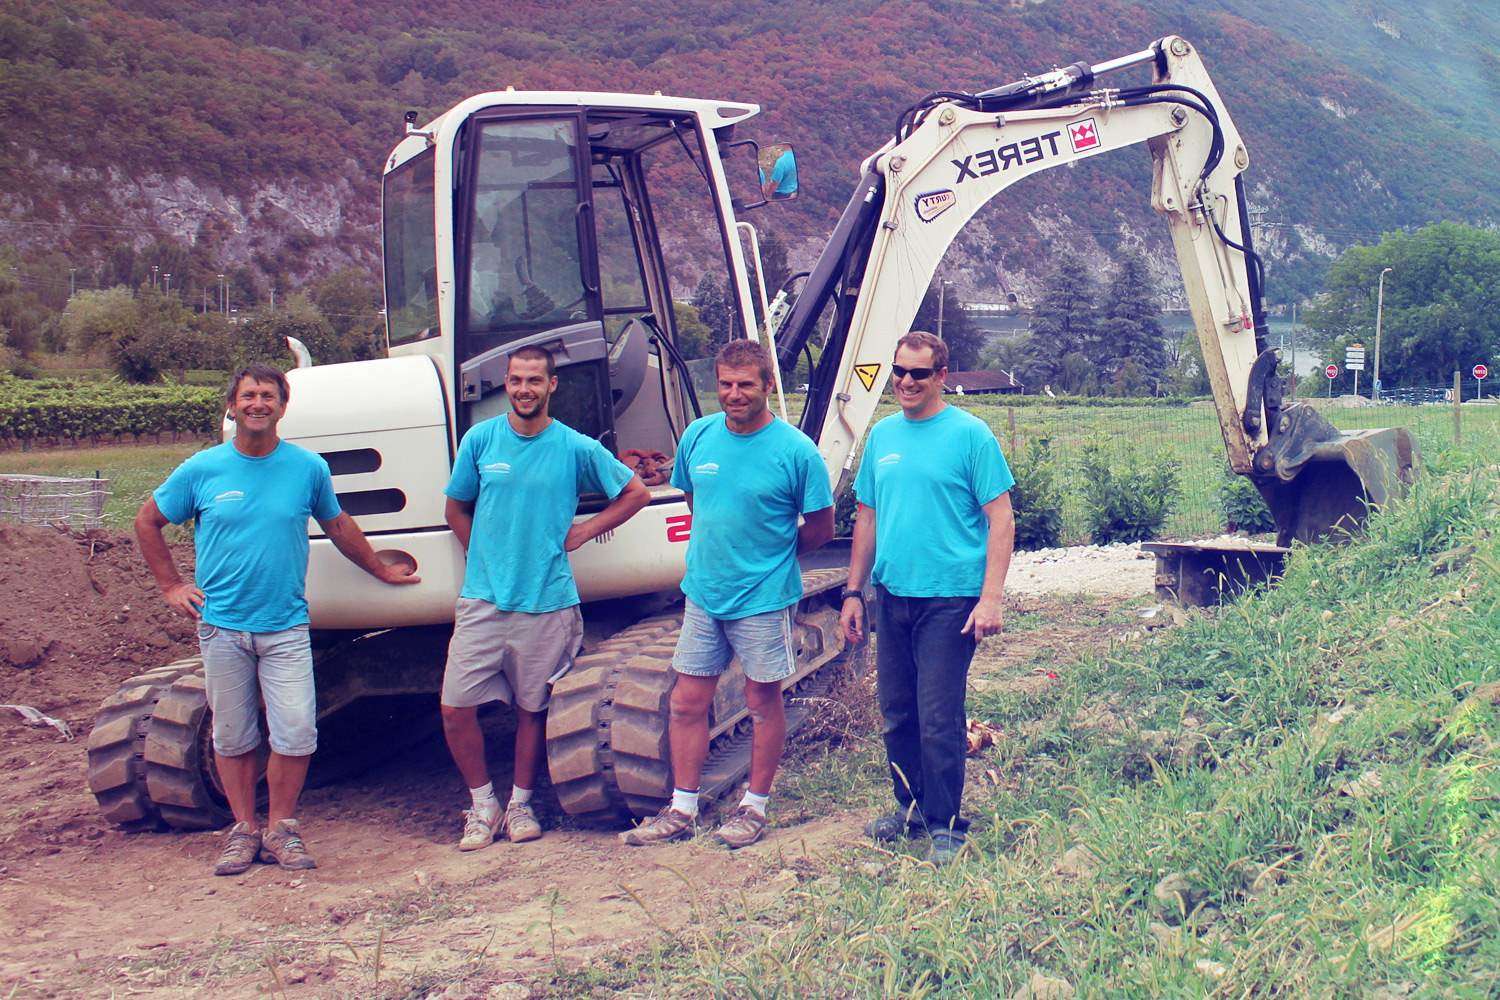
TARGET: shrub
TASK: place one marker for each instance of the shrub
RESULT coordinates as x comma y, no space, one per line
1036,498
1130,502
1242,506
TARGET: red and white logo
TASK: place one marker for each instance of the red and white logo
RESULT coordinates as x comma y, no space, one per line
1332,371
1480,371
1083,135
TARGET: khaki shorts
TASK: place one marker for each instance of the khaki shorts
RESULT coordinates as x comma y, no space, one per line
509,656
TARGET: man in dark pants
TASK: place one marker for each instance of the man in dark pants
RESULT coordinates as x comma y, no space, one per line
935,526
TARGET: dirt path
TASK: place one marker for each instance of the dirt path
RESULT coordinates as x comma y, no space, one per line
94,912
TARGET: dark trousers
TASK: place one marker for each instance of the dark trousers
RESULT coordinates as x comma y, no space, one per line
921,673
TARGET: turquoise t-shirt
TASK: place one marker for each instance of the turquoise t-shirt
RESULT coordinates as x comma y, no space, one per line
525,492
250,530
927,481
747,492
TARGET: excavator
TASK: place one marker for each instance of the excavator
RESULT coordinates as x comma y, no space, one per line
561,219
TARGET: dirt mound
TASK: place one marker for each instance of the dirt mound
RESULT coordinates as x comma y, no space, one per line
80,613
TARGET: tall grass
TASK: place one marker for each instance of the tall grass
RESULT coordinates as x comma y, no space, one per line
1291,796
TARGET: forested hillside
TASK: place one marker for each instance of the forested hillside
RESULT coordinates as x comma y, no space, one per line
253,131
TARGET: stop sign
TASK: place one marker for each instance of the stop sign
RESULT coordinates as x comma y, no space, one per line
1332,371
1480,371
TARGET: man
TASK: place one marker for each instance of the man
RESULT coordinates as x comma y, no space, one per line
783,180
250,499
935,523
517,626
747,476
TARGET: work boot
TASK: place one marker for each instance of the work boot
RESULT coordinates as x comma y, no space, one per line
480,828
240,847
520,823
945,847
282,845
892,827
744,828
663,828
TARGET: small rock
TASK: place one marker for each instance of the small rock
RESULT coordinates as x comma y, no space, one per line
510,991
1077,860
1215,969
1177,894
872,869
1045,988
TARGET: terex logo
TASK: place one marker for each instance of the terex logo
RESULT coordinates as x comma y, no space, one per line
679,527
1013,154
1083,135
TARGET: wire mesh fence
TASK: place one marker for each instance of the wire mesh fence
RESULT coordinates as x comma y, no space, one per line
74,503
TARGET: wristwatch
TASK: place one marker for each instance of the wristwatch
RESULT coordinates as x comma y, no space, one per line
847,593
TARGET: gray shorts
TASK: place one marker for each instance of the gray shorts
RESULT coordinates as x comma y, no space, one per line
509,656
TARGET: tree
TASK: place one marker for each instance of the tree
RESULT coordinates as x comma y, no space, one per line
693,336
962,335
1442,303
1130,331
1063,323
715,311
349,302
97,317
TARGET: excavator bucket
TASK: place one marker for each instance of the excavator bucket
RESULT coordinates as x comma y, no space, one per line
1324,481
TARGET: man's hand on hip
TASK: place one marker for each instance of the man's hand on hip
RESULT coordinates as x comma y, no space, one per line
987,618
185,599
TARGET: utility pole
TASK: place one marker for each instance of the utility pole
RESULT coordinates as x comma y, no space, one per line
942,285
1379,305
72,281
1293,393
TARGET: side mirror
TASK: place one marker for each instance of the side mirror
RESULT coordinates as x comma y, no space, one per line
778,172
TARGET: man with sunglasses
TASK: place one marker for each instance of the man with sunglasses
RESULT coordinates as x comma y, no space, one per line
934,532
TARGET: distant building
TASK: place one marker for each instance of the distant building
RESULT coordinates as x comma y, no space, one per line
972,383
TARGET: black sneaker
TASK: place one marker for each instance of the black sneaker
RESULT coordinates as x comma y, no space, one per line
891,828
945,848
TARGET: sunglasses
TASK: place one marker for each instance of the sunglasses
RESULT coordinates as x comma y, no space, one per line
917,374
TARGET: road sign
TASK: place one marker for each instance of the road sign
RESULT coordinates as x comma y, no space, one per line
1377,385
1480,371
1332,371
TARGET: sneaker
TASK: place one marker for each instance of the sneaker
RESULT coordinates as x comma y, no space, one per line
240,847
663,828
520,823
891,828
480,829
944,848
744,828
282,845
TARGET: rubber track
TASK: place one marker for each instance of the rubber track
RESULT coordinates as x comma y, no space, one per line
117,747
607,724
179,757
607,744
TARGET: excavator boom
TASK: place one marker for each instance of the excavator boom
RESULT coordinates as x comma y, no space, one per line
953,153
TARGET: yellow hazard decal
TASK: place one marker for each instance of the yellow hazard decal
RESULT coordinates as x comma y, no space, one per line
867,374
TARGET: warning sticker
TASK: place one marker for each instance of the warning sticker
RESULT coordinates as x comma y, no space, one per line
1084,135
867,374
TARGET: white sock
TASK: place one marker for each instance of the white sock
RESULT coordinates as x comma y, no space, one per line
755,803
685,802
519,796
484,798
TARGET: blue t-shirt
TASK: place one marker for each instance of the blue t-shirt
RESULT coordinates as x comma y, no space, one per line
250,530
784,173
525,492
927,481
747,492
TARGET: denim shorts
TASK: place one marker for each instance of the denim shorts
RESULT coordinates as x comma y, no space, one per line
243,668
762,642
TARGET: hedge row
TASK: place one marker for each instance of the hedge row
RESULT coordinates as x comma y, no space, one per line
53,411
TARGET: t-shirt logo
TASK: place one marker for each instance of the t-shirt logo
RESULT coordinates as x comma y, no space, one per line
503,468
892,459
229,496
707,468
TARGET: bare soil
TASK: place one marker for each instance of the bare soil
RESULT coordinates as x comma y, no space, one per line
394,909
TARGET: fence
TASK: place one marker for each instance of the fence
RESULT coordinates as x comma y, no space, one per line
76,503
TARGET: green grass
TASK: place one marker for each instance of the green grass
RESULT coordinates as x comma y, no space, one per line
133,471
1311,763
